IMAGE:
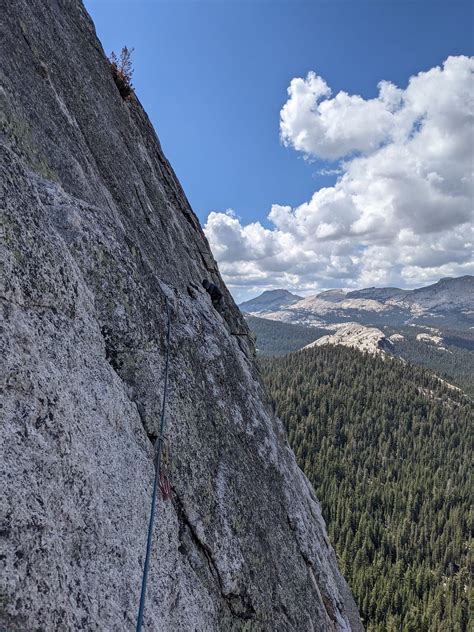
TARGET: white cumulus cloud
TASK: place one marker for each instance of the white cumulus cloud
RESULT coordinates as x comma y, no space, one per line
401,209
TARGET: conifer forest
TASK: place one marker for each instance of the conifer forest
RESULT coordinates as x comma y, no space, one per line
386,445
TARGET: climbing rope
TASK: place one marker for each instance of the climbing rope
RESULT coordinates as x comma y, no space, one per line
158,477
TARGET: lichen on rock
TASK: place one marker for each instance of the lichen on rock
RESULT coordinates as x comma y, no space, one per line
92,245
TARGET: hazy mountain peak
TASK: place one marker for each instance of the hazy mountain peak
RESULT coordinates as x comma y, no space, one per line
270,300
332,295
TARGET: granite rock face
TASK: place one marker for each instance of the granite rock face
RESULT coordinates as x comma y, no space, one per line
96,233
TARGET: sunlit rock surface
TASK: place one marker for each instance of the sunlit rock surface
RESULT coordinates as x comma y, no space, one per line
97,231
369,339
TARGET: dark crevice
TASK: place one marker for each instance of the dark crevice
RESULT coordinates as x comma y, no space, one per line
239,605
206,264
152,436
113,358
145,213
111,354
189,218
326,598
52,308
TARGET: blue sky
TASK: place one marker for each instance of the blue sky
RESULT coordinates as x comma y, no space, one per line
213,77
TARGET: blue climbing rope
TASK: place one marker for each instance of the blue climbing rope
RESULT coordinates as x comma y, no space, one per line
158,448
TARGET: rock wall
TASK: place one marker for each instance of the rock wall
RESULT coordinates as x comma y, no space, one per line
97,231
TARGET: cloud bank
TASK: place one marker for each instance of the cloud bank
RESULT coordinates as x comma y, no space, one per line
401,209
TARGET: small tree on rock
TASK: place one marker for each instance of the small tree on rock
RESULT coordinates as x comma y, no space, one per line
122,71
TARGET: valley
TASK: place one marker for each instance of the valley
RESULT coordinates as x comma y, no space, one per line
419,326
375,390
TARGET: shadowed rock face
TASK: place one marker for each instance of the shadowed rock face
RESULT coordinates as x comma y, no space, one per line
97,232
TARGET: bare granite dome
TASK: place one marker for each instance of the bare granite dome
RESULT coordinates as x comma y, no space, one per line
97,231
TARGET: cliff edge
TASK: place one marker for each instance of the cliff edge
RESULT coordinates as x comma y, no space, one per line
97,231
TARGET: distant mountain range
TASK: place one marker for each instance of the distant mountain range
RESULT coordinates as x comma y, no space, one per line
447,303
432,326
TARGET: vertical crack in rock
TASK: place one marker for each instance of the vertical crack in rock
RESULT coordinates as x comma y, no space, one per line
325,597
239,605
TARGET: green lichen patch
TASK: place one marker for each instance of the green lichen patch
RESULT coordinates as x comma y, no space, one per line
19,133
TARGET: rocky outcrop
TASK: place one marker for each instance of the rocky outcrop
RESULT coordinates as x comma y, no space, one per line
367,339
97,233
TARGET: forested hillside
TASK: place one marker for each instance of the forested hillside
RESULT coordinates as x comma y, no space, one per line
277,338
454,362
386,446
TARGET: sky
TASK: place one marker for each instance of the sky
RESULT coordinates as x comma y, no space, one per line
322,144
